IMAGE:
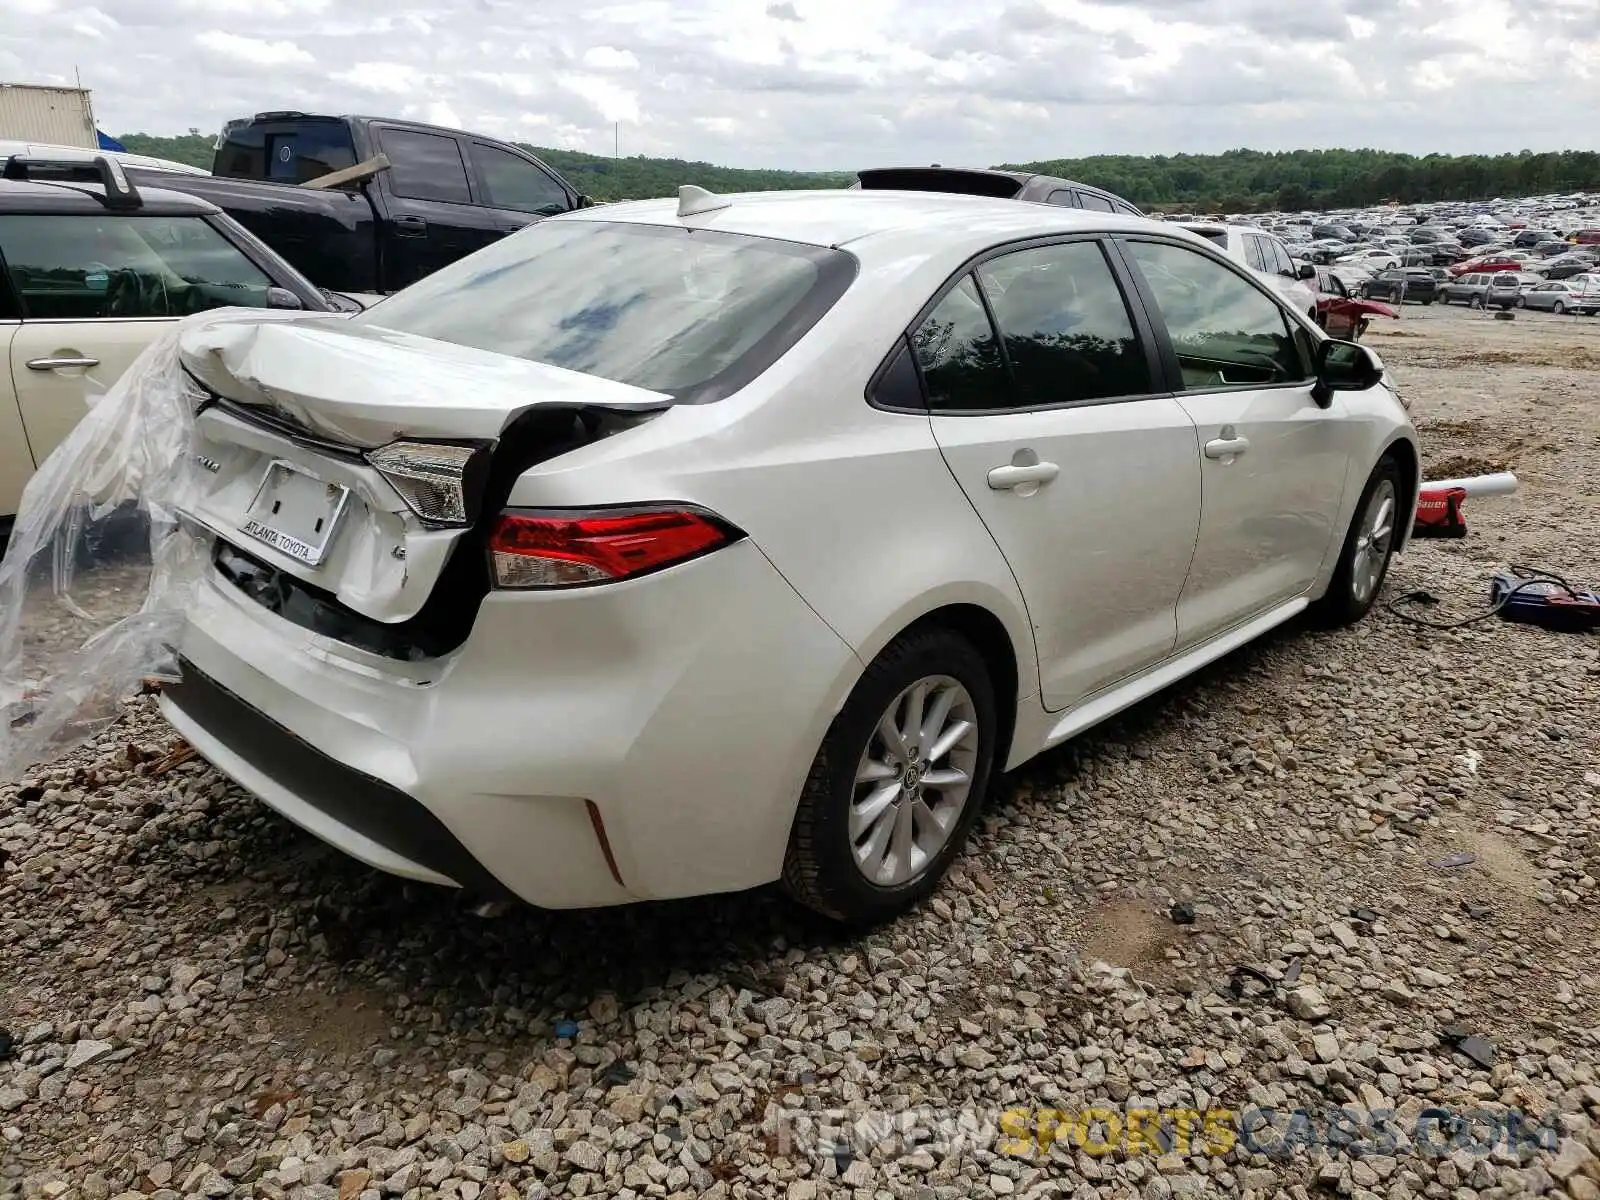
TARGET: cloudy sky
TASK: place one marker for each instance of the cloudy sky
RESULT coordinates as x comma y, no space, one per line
848,83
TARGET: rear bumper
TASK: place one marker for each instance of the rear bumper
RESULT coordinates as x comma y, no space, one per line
368,819
682,710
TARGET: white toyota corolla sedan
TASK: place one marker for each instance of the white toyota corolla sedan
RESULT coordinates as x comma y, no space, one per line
678,547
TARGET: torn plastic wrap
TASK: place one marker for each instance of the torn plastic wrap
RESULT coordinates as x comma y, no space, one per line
99,569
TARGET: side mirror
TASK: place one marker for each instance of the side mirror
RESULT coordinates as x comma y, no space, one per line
1307,271
278,297
585,201
1344,367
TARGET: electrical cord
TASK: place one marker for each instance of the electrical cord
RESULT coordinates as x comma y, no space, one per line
1532,576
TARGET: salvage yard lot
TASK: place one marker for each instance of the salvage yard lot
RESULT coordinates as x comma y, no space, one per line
209,1002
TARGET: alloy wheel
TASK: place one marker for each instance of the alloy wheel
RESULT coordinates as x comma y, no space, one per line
913,781
1373,542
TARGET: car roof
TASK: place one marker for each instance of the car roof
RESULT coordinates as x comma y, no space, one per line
63,196
845,216
10,146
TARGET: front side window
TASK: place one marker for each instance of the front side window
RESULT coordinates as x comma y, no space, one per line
515,183
88,267
1252,253
1225,332
1064,325
959,354
1281,260
694,313
1061,197
425,166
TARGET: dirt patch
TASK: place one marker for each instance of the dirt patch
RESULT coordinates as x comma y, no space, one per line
1462,429
1461,466
1502,862
350,1022
1130,933
1565,358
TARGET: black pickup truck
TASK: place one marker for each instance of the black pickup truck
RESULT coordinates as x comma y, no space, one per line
367,204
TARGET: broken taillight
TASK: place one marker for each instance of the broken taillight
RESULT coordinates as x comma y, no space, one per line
441,482
556,548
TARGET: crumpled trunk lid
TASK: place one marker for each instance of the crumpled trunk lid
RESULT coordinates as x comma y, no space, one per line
328,541
365,386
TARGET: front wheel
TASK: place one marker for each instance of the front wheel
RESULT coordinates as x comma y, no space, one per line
1368,546
1558,308
897,781
1522,302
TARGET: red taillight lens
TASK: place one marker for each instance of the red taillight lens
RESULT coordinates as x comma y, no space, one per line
553,548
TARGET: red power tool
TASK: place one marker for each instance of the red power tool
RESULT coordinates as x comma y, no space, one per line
1439,513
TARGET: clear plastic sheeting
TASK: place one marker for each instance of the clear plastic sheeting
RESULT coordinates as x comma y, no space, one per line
100,567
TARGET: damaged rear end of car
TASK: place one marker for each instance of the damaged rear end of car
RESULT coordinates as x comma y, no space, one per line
442,621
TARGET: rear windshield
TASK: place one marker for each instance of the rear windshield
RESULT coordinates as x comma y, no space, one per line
1217,236
290,151
694,313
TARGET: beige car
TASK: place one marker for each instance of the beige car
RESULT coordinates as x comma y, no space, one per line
91,270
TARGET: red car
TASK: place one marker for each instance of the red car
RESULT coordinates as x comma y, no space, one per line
1587,237
1491,262
1341,314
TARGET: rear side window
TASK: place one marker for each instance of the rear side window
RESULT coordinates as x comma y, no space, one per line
1096,203
515,183
1064,325
286,152
1252,253
694,313
1062,197
425,166
88,267
959,354
1225,332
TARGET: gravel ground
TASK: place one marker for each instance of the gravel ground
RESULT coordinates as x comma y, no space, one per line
1391,828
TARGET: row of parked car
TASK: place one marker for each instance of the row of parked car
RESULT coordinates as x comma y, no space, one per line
1579,295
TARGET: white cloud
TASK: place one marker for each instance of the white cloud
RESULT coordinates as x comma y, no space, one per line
846,83
392,78
609,58
258,51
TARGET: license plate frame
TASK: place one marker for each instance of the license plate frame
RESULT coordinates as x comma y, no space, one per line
304,532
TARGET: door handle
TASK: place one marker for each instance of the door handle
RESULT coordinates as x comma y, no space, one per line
1002,478
1228,447
410,226
57,362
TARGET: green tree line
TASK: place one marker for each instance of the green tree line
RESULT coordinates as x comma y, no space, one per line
1235,181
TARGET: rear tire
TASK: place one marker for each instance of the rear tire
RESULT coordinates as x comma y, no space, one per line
866,844
1558,308
1522,302
1368,546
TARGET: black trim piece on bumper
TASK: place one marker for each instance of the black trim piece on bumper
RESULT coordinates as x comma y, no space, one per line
372,808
